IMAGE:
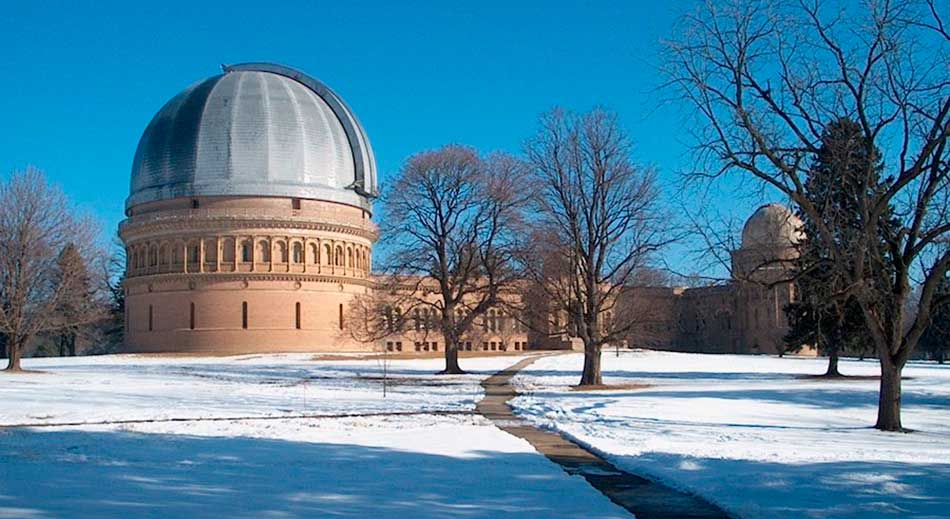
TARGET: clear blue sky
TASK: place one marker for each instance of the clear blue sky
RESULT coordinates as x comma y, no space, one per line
82,79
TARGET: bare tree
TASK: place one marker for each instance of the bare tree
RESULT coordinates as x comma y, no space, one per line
448,236
764,78
594,224
35,226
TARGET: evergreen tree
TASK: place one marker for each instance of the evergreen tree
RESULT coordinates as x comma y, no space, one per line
836,182
77,301
936,340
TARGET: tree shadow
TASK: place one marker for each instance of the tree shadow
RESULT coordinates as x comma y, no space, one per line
120,474
848,489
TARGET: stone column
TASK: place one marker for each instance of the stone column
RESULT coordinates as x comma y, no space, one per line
270,246
254,253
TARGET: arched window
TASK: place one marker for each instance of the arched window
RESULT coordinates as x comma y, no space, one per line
227,250
282,251
263,251
349,257
211,251
152,255
339,256
314,254
195,254
326,252
298,252
247,251
163,255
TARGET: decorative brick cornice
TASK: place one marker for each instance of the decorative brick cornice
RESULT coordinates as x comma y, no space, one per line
225,277
221,226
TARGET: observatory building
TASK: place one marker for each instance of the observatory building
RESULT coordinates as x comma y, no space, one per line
249,220
249,229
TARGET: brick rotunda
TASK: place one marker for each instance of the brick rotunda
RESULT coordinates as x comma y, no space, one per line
248,226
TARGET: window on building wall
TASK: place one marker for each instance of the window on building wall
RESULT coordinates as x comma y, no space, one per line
435,346
314,254
263,251
247,252
191,318
389,345
341,316
339,257
195,254
295,204
398,345
211,251
282,249
244,315
298,253
297,315
227,250
194,203
150,319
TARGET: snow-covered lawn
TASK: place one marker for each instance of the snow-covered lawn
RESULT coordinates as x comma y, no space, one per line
752,435
423,465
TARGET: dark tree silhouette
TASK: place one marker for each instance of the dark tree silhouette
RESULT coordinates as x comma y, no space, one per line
845,167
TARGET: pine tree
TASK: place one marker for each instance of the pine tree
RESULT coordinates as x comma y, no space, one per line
835,183
78,298
936,340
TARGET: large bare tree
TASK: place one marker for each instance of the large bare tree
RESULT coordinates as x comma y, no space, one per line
448,236
36,225
594,223
763,79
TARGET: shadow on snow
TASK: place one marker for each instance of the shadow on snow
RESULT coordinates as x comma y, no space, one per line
120,474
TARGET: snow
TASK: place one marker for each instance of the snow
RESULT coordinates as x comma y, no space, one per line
248,453
753,435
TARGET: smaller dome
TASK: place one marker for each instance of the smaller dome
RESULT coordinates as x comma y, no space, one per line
772,225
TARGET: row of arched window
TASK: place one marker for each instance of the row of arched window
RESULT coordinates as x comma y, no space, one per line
204,255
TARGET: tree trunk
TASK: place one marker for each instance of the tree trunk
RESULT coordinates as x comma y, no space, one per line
14,363
591,374
889,401
833,364
451,356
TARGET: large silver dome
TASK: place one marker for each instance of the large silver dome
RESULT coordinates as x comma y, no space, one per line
772,225
256,130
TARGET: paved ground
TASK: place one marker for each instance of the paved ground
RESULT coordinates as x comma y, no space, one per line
644,498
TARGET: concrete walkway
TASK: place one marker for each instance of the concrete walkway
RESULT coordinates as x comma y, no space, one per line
643,498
